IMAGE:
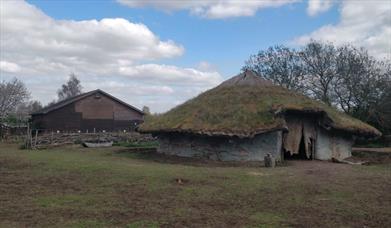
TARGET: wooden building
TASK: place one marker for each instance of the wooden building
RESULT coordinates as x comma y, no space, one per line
92,111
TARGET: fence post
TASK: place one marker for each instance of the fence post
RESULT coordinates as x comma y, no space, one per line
31,137
36,138
26,143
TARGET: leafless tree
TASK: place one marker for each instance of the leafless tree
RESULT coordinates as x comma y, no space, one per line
345,77
320,68
372,97
363,86
70,89
353,69
281,65
12,94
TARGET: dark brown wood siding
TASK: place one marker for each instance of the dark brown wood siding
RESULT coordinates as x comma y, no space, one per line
61,119
96,112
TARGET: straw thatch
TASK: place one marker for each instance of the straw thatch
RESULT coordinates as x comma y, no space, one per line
246,105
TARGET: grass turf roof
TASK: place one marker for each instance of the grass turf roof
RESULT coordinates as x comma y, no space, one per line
244,106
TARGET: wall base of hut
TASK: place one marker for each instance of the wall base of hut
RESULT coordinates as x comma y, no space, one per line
331,145
222,148
328,145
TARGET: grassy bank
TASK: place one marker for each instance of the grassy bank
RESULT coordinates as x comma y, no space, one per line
82,187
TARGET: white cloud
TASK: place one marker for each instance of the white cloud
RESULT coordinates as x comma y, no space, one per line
205,66
9,67
366,24
210,8
42,51
29,31
131,88
171,74
318,6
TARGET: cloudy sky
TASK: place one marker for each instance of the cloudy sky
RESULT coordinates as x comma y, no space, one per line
161,53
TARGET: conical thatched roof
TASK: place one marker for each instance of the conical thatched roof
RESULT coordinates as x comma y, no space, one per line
244,106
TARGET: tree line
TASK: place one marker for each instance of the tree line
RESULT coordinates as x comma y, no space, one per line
344,76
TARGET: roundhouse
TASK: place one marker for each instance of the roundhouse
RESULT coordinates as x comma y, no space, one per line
247,117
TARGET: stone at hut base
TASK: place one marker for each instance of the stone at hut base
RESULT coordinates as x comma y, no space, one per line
269,161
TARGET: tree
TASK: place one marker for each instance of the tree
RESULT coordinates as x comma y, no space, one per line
345,77
363,86
383,109
320,68
26,108
51,103
355,74
146,110
34,106
12,94
70,89
373,98
281,65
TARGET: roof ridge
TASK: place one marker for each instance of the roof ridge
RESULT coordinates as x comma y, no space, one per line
246,78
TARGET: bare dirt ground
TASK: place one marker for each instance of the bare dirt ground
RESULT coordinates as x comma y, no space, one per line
78,187
380,150
372,155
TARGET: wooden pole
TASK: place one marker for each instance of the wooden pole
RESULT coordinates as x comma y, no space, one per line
31,138
27,137
36,138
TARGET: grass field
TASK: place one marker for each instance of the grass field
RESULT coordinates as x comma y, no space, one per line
80,187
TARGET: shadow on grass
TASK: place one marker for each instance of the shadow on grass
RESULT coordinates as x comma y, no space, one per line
151,154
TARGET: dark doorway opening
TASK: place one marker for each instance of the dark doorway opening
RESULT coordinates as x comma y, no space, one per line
302,155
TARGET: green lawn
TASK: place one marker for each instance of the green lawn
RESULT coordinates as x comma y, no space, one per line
81,187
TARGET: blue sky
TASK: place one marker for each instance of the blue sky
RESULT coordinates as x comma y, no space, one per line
161,53
224,43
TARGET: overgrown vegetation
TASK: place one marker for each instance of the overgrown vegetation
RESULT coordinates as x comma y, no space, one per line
81,187
245,110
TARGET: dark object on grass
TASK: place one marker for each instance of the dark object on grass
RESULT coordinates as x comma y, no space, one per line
269,161
181,181
97,144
